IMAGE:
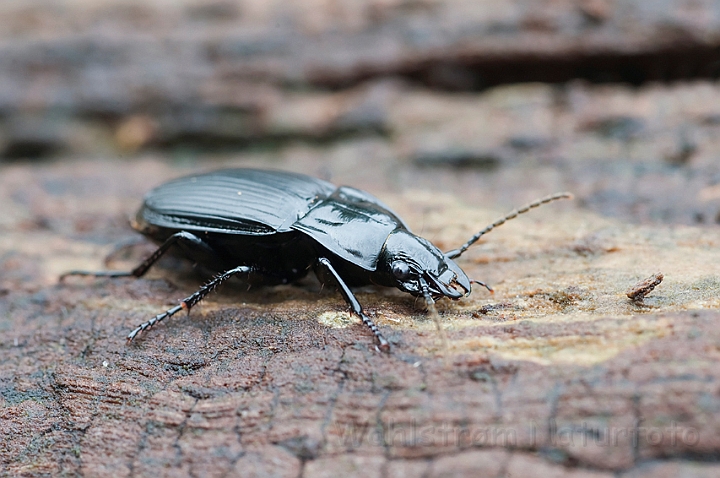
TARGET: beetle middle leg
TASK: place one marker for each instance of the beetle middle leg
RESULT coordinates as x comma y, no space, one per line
181,238
188,302
354,304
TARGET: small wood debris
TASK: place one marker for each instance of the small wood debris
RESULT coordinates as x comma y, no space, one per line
638,292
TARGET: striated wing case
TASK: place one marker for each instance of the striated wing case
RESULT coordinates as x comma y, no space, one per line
234,201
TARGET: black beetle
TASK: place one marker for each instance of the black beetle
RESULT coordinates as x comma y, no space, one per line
274,226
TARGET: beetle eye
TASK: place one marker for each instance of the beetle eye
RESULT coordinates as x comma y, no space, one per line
401,270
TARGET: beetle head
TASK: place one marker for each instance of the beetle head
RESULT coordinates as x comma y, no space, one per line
410,262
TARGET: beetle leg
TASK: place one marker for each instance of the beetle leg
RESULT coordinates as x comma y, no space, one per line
189,301
176,239
354,304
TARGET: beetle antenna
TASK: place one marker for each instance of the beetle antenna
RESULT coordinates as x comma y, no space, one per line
490,289
512,215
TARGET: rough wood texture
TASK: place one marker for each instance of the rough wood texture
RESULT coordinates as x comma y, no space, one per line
556,374
557,371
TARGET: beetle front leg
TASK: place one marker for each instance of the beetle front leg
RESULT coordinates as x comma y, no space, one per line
354,304
178,238
188,302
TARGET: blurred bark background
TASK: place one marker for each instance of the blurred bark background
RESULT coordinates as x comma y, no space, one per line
452,111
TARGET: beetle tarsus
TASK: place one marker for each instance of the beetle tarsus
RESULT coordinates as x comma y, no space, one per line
95,274
383,344
158,318
188,302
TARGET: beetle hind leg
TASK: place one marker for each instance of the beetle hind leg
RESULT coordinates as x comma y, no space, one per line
181,238
188,302
349,297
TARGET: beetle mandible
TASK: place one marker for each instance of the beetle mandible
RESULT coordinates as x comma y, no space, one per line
275,226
